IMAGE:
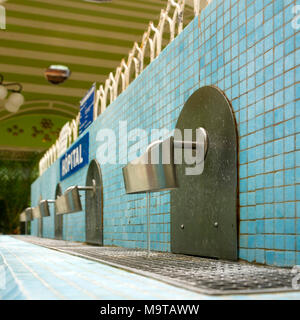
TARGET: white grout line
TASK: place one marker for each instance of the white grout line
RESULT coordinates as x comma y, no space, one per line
18,282
58,294
110,278
73,284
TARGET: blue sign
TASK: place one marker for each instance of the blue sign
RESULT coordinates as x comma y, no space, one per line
75,158
87,109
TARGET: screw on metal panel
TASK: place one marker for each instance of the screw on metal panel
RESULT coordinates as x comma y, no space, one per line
216,224
182,226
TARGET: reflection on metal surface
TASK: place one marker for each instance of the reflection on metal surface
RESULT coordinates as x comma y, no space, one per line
73,199
192,152
23,217
40,223
94,205
28,213
58,218
36,214
193,144
155,169
70,201
142,175
61,206
44,207
206,204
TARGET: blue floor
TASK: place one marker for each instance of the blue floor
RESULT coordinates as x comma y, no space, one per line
28,271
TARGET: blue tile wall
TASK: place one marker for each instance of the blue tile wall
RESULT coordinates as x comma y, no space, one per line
248,49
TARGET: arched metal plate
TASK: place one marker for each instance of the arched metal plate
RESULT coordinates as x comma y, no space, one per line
204,207
94,205
40,224
58,218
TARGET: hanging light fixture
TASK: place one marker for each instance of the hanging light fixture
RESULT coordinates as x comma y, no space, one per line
15,99
57,74
3,92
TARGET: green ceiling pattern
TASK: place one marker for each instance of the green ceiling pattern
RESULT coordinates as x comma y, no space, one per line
90,38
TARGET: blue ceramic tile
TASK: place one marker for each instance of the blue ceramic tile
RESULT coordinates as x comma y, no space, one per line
290,259
298,226
278,147
289,193
289,144
278,52
270,257
269,241
260,256
243,227
259,181
289,209
289,61
244,241
269,210
256,67
279,242
260,227
278,194
269,134
278,6
251,212
269,226
279,131
298,243
279,258
297,176
290,242
278,83
268,12
279,210
278,162
289,176
251,239
269,149
269,164
297,192
290,226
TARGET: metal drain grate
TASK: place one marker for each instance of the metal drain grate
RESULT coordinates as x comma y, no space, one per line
194,273
45,242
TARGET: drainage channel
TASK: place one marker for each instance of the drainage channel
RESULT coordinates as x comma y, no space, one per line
202,275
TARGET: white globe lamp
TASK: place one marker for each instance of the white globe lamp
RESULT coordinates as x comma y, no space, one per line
10,107
3,92
14,102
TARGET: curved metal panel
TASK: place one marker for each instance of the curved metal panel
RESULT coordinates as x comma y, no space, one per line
36,212
29,214
23,217
44,208
152,171
40,220
73,199
69,202
94,205
58,218
204,207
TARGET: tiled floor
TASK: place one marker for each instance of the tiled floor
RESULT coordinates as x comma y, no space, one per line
198,274
28,271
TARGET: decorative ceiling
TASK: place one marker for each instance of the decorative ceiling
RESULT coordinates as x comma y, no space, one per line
88,37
